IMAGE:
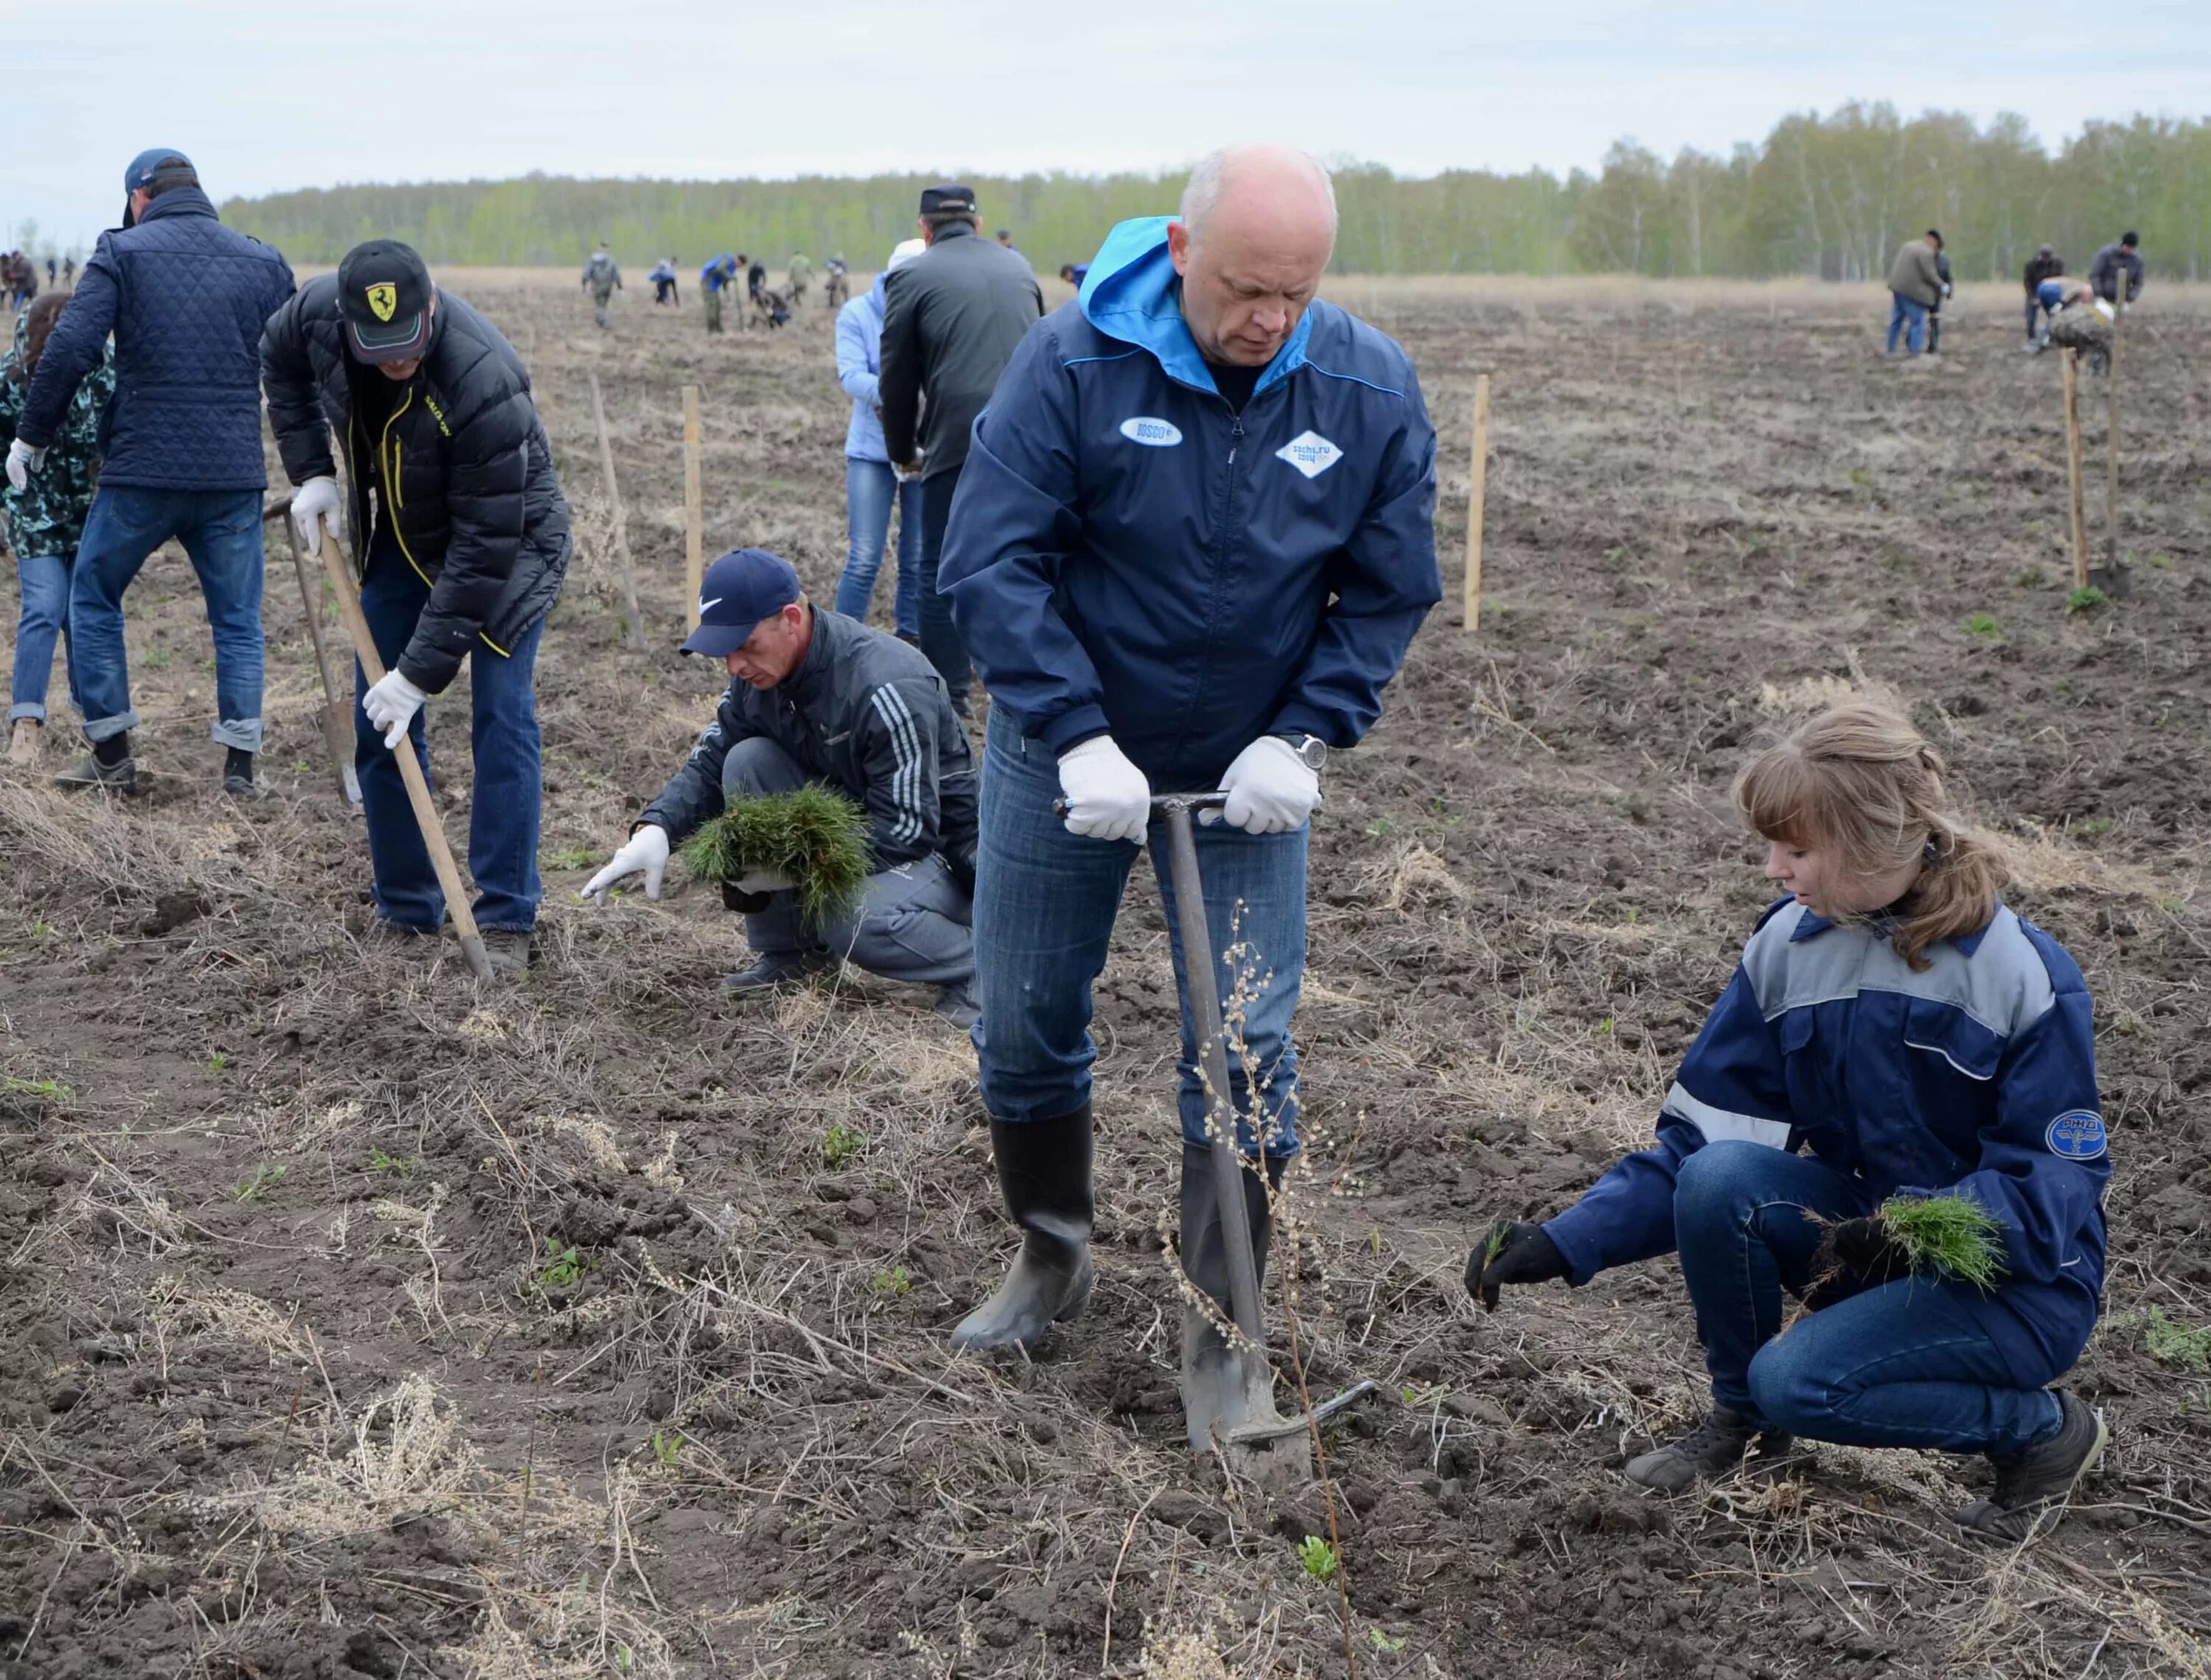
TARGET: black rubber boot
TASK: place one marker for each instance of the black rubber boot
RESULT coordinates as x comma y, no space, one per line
2033,1487
1210,1383
1723,1440
1044,1172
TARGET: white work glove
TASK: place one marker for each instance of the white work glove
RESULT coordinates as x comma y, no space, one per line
1270,790
911,469
763,880
311,502
646,849
1108,797
391,705
22,462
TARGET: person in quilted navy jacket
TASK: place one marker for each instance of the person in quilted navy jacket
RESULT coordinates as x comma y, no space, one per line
180,446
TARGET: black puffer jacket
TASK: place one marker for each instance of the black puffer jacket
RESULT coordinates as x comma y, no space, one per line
474,503
867,715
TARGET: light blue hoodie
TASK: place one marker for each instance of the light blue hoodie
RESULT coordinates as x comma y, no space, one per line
860,371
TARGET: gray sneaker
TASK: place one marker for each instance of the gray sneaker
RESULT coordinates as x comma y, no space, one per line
2033,1487
956,1003
121,777
1712,1449
780,968
510,950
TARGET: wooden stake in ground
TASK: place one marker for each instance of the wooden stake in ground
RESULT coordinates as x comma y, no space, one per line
1477,495
2079,520
635,632
695,504
410,767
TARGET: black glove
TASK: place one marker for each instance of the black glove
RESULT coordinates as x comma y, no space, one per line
1865,1247
1512,1253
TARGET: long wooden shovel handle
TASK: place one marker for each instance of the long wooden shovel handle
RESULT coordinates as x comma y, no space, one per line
410,768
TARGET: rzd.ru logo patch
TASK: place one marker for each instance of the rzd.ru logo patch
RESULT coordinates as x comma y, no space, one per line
383,299
2078,1136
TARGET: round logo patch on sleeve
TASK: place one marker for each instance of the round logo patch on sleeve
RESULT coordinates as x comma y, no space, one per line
2078,1136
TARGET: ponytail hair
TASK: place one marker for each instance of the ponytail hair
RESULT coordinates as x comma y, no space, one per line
1859,782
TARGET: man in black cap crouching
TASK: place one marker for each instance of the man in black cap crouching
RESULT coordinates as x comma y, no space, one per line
951,319
460,537
815,696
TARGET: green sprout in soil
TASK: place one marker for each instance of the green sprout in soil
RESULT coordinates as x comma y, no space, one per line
1383,1644
1946,1237
2162,562
400,1166
563,1267
1985,625
1493,1245
2087,600
840,1144
2095,824
667,1445
574,857
1318,1558
893,1281
2185,1347
53,1091
816,837
266,1177
217,1062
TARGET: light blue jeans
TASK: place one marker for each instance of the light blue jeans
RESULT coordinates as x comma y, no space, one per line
1045,902
870,487
44,620
1908,319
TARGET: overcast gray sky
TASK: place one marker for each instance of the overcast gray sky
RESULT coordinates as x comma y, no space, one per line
271,94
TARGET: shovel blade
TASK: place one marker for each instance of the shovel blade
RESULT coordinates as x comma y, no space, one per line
2116,581
1228,1403
337,740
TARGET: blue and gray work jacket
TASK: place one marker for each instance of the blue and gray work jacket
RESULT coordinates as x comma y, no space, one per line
1977,1077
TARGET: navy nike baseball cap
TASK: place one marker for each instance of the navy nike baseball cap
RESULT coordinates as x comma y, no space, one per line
740,588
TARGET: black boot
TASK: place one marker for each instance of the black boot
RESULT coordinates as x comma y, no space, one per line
1210,1383
1044,1172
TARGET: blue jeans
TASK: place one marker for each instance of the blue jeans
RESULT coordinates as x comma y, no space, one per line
503,810
870,487
1045,905
220,530
1905,314
1913,1363
940,636
44,620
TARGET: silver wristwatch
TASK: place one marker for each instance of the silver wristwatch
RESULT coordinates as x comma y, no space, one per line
1311,751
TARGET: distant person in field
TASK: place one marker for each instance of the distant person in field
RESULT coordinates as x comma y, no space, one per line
1915,285
755,279
836,282
2045,265
798,274
872,486
951,319
602,274
1934,309
68,272
715,279
2115,262
45,523
1894,1031
1075,274
1006,242
2056,295
50,270
459,537
664,288
184,299
1193,542
817,697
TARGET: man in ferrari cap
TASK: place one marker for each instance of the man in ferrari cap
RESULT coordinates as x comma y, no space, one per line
815,696
459,535
180,448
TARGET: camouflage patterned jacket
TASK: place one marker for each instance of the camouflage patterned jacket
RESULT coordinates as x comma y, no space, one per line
48,517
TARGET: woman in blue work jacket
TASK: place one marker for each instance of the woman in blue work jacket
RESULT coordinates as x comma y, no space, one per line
1892,1029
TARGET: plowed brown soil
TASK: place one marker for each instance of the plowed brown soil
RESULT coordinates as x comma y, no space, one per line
354,1321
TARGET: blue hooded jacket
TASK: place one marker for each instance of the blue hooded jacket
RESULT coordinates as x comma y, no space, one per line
1975,1077
1128,555
860,371
187,298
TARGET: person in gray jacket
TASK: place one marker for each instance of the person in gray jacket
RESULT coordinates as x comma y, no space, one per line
951,319
2114,261
1915,282
602,274
815,696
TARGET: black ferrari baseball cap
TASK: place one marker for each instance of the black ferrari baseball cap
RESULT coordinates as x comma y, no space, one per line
949,199
740,588
383,294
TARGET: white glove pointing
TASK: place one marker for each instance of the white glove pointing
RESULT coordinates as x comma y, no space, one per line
1270,790
646,849
391,705
22,462
1108,797
311,502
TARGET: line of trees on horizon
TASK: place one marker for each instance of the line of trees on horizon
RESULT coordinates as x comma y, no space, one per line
1829,197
